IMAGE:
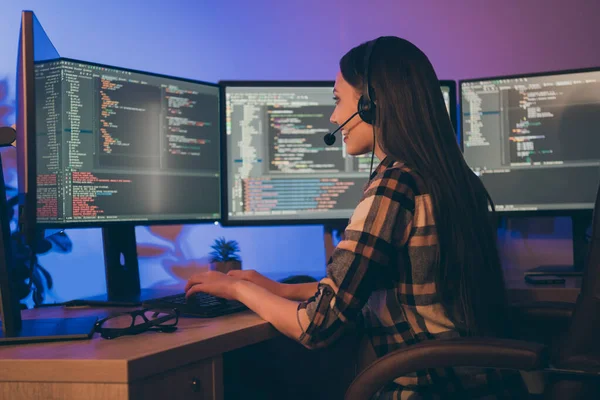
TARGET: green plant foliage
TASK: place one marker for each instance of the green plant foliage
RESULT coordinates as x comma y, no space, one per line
224,250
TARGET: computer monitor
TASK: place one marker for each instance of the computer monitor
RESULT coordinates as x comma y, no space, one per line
116,145
534,141
278,170
118,148
14,328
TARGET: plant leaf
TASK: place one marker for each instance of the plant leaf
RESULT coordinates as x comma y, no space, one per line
38,292
47,276
61,241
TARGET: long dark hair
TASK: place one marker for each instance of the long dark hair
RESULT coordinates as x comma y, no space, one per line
413,126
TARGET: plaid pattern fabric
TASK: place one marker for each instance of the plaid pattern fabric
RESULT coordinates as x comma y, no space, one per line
380,277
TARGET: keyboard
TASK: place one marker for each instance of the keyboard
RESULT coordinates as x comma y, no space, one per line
198,305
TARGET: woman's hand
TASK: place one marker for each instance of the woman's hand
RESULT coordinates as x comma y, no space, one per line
278,311
257,278
212,282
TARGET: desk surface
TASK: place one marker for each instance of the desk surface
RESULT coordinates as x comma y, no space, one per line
128,358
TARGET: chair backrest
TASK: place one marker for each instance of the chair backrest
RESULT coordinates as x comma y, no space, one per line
581,349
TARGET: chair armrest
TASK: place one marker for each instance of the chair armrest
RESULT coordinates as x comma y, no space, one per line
582,365
460,352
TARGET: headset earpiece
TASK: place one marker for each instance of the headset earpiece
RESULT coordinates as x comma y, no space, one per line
366,103
366,110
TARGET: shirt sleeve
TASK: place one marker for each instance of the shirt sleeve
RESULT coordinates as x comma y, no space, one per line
364,259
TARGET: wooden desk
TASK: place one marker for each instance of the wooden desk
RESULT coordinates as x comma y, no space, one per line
151,365
238,354
189,363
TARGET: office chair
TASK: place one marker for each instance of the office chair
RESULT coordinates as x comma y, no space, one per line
573,373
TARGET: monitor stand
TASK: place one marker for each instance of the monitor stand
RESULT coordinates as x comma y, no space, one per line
328,232
48,330
580,223
122,272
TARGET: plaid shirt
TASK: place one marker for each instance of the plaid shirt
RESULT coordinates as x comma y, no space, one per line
381,277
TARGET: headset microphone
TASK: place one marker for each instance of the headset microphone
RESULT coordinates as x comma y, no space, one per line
329,138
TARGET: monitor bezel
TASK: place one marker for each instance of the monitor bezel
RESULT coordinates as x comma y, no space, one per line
554,212
142,222
453,102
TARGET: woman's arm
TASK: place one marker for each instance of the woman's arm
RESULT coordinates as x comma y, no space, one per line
297,291
279,311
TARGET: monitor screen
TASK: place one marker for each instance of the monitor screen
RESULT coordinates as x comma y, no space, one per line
534,140
278,168
116,145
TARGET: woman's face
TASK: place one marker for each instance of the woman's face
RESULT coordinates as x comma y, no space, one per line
357,134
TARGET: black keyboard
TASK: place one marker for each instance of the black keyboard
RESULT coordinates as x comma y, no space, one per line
198,305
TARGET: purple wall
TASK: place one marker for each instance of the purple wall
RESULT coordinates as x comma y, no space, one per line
293,40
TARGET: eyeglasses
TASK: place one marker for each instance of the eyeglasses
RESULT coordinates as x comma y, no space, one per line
138,321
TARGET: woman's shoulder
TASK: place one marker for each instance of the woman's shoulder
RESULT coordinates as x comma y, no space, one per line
396,175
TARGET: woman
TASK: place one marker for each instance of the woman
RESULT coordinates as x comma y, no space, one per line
418,260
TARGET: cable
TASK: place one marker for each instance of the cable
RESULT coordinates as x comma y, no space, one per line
372,155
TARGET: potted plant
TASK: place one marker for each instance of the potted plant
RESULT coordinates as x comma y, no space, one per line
224,257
